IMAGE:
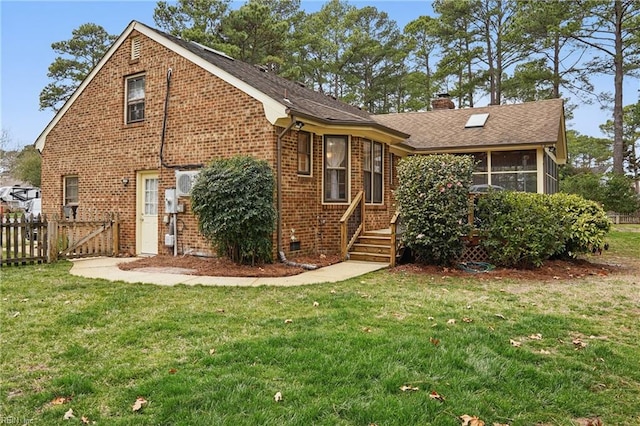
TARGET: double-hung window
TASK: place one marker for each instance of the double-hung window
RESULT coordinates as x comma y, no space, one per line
372,167
336,161
304,153
70,196
135,98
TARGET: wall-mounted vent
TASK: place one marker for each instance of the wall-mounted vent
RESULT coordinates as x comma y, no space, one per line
135,48
185,181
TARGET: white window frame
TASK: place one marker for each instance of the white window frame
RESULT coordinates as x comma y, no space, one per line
65,190
134,102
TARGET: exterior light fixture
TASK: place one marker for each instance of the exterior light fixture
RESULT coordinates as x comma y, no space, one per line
298,125
125,181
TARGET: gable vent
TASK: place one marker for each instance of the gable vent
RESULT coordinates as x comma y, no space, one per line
184,182
135,48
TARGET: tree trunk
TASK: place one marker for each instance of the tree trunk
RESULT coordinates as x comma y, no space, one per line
618,143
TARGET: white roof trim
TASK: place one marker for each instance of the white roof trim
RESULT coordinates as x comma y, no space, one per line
272,108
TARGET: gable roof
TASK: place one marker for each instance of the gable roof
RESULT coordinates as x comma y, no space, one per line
530,123
280,97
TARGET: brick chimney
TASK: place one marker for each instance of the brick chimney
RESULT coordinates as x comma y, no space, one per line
443,102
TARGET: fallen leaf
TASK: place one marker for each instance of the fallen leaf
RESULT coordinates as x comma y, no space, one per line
500,316
451,321
430,318
500,424
589,422
59,400
544,352
435,342
579,344
85,420
435,395
536,336
220,311
278,397
515,343
405,388
140,401
332,292
471,421
366,329
288,321
316,304
172,371
66,302
467,320
25,300
15,314
212,351
68,415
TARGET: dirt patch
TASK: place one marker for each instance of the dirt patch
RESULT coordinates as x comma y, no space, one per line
219,267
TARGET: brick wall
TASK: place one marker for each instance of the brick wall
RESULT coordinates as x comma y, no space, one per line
207,119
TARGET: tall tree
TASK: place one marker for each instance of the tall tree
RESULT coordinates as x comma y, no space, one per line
28,165
373,52
258,32
587,153
421,38
89,42
612,31
321,45
630,139
460,42
194,20
505,45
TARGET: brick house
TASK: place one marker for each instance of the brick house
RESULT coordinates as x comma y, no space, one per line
157,108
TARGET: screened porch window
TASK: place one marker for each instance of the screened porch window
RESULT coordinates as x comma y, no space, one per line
372,167
515,170
336,159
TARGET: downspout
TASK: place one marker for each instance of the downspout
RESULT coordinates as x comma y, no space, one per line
281,255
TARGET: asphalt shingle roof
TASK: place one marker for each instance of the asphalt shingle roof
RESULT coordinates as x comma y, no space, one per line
300,100
528,123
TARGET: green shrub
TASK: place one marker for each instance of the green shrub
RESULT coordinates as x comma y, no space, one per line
233,201
520,229
587,223
432,197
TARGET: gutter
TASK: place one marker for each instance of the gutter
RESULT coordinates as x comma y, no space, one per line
281,255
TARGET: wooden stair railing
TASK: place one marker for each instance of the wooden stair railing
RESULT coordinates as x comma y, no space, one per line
352,224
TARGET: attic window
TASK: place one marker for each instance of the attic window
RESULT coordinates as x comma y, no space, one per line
135,48
477,120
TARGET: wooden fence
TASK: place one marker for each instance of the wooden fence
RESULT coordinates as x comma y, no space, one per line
23,241
624,218
47,240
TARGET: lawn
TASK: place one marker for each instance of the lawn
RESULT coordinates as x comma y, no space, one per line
387,348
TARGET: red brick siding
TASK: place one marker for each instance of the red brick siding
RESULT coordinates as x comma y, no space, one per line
207,119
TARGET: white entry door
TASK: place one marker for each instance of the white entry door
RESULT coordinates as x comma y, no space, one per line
147,213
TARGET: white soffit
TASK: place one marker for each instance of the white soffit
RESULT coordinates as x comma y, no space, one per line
477,120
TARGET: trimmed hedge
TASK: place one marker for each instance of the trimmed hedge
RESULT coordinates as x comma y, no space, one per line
233,200
432,198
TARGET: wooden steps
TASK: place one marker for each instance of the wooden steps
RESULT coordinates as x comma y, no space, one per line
372,246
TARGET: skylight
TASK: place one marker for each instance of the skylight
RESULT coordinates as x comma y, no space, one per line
477,120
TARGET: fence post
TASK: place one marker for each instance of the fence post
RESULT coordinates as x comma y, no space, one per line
115,227
52,235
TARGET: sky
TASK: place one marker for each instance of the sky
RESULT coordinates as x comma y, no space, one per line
29,27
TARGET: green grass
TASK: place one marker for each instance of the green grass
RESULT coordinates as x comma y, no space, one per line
341,362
